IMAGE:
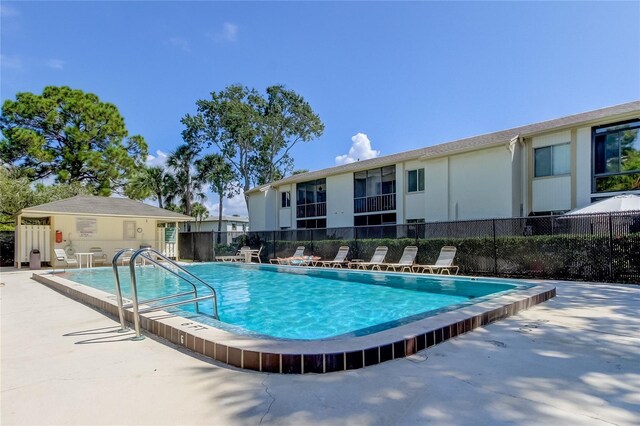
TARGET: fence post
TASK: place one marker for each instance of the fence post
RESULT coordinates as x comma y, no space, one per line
610,249
495,250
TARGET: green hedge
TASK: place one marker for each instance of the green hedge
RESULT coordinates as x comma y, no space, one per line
551,257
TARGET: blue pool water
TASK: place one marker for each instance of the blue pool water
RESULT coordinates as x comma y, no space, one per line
307,303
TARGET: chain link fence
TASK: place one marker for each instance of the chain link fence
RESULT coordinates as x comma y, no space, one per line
598,247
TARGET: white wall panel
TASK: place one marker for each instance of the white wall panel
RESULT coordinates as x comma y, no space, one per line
552,139
340,200
552,193
480,184
583,167
436,189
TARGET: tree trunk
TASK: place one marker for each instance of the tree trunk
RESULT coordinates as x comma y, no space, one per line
219,218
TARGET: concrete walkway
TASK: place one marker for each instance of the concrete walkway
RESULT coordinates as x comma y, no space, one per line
573,360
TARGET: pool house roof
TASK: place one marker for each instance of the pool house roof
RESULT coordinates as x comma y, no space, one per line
91,205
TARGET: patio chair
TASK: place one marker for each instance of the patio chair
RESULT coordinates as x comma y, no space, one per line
241,255
61,256
338,262
442,265
285,260
376,260
406,260
99,257
255,254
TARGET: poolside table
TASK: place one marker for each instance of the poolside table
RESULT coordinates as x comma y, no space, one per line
89,256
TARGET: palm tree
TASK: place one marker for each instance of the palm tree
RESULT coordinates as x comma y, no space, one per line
214,170
154,182
188,188
200,212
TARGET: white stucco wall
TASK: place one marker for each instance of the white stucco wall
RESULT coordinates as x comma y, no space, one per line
480,184
340,200
257,206
551,192
109,233
436,189
551,139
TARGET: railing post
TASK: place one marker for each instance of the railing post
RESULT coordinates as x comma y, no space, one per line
495,250
611,278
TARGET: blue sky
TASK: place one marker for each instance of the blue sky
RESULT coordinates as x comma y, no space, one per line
406,75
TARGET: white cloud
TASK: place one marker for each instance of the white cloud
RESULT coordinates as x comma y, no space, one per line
158,160
56,64
8,11
180,43
360,150
228,33
12,62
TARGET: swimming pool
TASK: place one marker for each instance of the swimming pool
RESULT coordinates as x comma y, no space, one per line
307,303
475,303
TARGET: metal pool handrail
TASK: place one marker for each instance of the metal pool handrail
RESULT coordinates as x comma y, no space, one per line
145,253
116,275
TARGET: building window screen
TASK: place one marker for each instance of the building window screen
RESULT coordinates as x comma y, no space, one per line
616,157
554,160
415,180
286,199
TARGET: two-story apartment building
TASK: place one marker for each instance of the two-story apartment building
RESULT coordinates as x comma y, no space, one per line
547,167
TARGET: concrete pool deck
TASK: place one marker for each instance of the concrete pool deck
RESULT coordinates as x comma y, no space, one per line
573,360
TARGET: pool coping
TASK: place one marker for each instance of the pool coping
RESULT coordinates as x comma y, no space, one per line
320,356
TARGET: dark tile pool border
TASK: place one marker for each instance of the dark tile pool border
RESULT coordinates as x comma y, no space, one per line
322,356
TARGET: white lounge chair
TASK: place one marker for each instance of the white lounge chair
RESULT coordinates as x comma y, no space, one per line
406,260
376,260
298,254
338,262
61,256
442,265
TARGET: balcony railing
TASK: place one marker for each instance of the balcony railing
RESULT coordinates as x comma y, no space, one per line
376,203
311,210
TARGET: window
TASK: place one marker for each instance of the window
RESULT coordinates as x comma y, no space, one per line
415,180
286,199
374,190
311,223
312,198
234,227
616,157
554,160
129,230
375,219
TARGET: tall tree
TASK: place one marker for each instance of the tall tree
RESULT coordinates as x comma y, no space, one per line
72,136
214,170
17,193
181,161
155,182
286,119
200,212
254,133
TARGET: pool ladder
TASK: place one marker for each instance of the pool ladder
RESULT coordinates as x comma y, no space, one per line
151,255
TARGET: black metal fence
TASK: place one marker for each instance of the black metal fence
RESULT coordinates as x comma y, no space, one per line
599,247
